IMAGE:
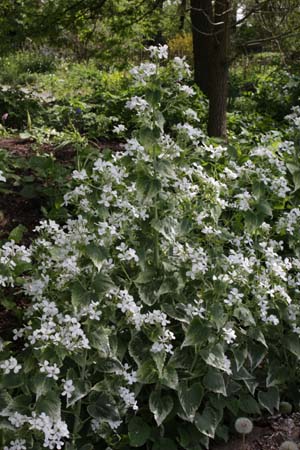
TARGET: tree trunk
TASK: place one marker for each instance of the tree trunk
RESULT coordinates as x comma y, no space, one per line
211,27
218,94
201,18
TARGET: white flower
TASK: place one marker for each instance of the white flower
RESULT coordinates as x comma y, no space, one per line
69,388
172,3
137,103
54,430
182,67
2,177
191,114
18,444
82,175
51,371
128,398
229,335
160,51
187,90
234,298
9,365
142,72
119,128
126,254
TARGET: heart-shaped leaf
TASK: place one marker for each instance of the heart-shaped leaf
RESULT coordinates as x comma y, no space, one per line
190,398
160,406
269,399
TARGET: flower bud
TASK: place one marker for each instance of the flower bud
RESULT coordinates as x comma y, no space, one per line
285,407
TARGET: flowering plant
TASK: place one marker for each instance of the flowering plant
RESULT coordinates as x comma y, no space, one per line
156,311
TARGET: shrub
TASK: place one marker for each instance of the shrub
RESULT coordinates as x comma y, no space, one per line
155,314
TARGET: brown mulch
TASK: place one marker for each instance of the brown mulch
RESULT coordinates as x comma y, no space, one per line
267,434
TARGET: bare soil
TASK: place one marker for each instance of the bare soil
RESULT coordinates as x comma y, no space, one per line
268,434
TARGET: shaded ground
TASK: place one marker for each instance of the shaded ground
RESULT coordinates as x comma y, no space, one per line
15,210
268,434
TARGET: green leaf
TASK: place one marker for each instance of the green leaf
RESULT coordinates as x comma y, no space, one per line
292,343
40,385
78,295
215,357
82,389
138,348
160,406
147,372
296,180
13,380
17,234
159,359
49,404
165,168
164,444
97,254
167,227
256,354
190,398
104,408
208,421
138,432
240,355
249,405
264,208
197,333
214,382
100,341
147,187
245,315
251,385
102,283
257,335
293,168
5,400
108,365
169,377
277,374
269,399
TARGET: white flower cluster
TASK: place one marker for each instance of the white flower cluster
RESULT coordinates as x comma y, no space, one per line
69,388
137,103
52,371
97,423
60,330
163,344
10,253
18,444
160,51
128,398
142,72
129,375
54,430
10,365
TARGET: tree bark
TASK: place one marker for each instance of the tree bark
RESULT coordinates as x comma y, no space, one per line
201,18
218,93
211,28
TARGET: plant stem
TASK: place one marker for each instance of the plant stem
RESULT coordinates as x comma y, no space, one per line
78,406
